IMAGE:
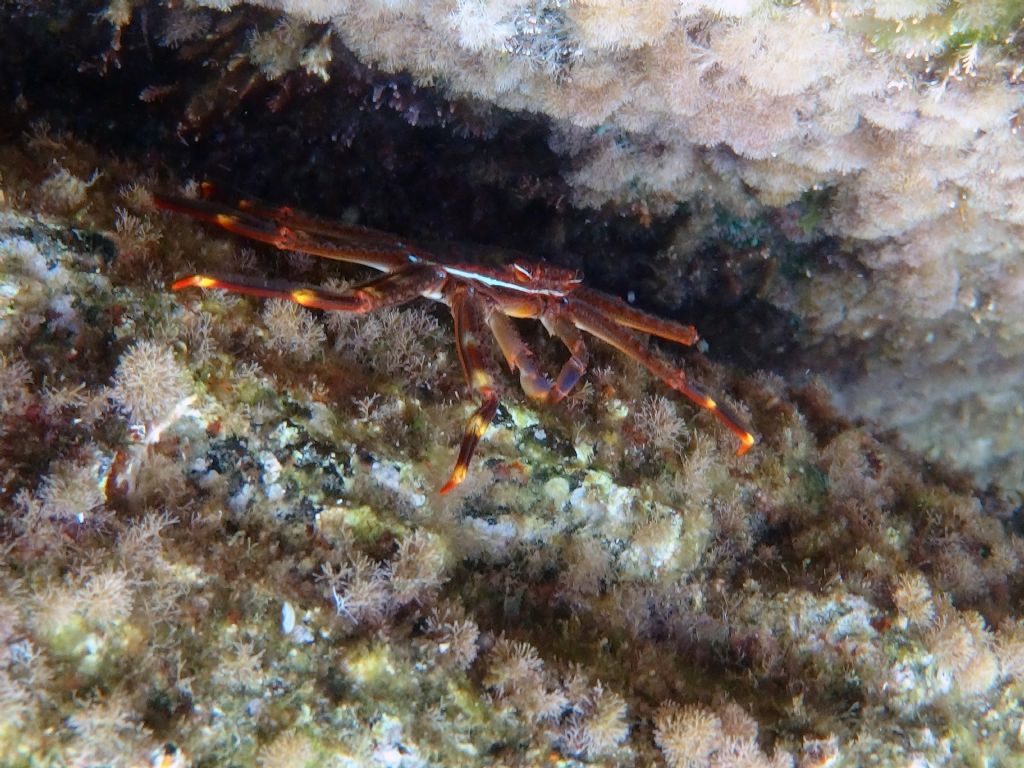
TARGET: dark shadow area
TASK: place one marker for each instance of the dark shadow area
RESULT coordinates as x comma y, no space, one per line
371,146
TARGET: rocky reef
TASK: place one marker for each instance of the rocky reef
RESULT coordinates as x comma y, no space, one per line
221,541
886,132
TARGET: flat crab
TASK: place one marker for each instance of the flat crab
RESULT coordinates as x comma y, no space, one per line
477,296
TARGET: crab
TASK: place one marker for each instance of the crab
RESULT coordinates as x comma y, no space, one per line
478,297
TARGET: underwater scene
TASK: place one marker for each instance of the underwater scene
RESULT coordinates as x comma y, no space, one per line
397,384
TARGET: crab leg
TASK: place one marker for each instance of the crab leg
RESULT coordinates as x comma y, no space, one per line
634,318
285,216
590,320
356,245
518,356
573,368
388,290
466,342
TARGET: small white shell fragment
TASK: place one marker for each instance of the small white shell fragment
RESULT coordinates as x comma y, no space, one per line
287,618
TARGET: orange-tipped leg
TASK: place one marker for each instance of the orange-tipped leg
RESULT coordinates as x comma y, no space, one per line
195,281
307,296
475,429
289,230
465,311
385,291
721,412
592,321
231,219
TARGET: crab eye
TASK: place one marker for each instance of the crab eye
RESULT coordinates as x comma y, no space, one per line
522,274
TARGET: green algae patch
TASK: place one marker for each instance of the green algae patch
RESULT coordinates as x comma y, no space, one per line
371,667
360,522
94,653
694,540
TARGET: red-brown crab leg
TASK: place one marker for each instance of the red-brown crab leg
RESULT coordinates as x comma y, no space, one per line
591,321
464,311
518,356
631,317
386,291
284,216
573,368
355,245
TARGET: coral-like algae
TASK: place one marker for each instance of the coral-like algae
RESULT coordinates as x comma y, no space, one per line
220,544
